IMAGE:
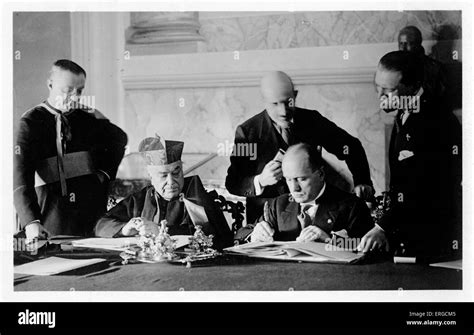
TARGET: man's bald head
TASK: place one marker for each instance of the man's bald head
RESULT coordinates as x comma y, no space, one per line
308,154
279,97
276,81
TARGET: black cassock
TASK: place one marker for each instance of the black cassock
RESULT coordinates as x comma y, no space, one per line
143,204
92,142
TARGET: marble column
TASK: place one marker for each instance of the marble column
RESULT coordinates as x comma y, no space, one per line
164,32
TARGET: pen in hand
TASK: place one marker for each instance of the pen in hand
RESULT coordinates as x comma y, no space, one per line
266,212
266,218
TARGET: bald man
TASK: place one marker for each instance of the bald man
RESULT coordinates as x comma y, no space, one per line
278,126
65,154
313,210
434,81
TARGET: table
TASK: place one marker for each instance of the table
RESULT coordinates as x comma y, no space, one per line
235,273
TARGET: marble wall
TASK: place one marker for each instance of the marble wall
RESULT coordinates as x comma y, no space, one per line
245,31
210,116
39,39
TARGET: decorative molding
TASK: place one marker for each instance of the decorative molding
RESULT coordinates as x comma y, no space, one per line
318,65
163,27
239,79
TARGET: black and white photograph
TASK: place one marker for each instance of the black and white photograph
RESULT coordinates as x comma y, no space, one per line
237,152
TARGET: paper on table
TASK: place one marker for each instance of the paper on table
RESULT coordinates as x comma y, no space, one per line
118,244
457,264
304,251
122,243
407,260
181,240
60,239
54,265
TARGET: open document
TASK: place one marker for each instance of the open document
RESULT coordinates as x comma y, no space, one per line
118,244
296,251
122,243
54,265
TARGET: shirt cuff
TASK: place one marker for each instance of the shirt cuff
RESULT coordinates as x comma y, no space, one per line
258,188
34,221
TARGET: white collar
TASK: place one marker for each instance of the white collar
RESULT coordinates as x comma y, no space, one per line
420,92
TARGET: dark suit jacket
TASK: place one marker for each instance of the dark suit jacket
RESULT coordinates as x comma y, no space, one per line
76,213
426,188
434,79
143,204
309,127
337,210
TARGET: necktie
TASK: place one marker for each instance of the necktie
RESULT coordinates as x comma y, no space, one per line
398,121
405,117
304,218
286,133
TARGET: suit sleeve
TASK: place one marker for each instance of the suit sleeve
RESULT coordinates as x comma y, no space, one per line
360,220
241,173
438,152
25,156
111,224
345,147
111,147
242,234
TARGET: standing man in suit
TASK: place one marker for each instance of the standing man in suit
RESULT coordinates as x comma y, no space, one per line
434,75
313,210
65,154
278,126
425,162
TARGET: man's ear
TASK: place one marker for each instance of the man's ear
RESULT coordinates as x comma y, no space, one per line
49,83
322,173
295,92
